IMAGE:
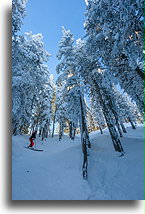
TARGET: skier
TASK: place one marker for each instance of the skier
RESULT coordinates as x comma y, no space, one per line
33,136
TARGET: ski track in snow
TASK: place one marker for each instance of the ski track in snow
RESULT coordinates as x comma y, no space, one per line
56,173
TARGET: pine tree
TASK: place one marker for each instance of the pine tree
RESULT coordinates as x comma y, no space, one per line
97,111
61,113
30,78
89,69
18,13
114,32
73,96
54,106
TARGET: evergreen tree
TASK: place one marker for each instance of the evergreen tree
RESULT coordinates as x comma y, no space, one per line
73,96
18,13
61,111
97,112
30,78
89,69
115,34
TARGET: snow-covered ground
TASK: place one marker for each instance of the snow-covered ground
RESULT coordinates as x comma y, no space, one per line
56,173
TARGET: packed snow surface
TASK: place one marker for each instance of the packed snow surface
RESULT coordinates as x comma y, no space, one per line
56,173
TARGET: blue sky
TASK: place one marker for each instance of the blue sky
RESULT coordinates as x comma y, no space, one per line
47,17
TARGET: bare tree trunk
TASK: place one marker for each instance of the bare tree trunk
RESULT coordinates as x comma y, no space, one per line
131,122
46,133
115,115
85,140
85,161
54,122
101,131
60,131
106,111
70,129
61,126
119,130
43,134
123,127
74,133
49,131
40,130
115,139
21,127
140,73
15,130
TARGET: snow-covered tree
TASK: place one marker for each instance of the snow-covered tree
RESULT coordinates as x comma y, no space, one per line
18,13
54,109
30,78
90,69
31,83
123,107
73,96
97,111
91,124
61,111
42,118
115,34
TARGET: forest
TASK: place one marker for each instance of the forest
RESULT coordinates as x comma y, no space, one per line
100,76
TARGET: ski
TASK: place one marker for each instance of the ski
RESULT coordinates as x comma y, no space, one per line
33,149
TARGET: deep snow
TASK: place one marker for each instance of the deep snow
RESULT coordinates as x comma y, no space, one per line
56,173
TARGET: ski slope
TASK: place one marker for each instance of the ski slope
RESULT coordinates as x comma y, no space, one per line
56,173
